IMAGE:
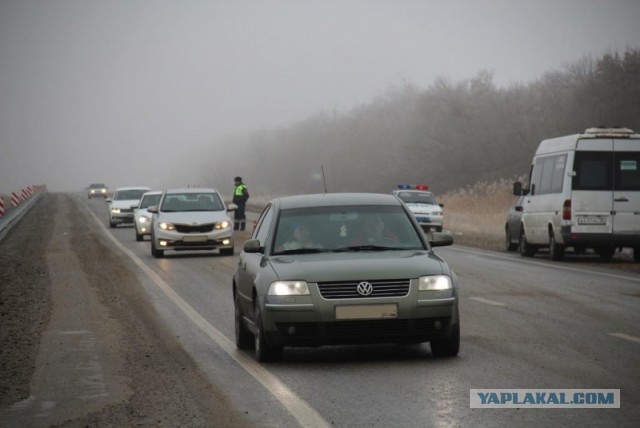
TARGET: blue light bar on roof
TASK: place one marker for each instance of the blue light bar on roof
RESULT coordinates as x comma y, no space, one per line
413,186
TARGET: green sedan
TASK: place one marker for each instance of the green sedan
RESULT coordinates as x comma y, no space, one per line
343,268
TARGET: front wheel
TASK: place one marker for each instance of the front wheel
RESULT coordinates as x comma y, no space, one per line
139,237
448,346
510,246
244,339
264,351
227,251
155,252
525,249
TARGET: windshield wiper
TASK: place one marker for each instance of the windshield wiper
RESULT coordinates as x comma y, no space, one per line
355,248
302,251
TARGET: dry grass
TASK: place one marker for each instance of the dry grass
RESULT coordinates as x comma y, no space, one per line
476,214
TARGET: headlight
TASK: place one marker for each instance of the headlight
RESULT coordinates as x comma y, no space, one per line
288,288
143,219
166,226
434,283
115,210
222,225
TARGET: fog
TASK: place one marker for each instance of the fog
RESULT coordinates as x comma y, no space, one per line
131,92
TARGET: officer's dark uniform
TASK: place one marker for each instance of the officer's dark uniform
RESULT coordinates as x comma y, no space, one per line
240,196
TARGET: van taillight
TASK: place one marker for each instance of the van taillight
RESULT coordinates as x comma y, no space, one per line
566,210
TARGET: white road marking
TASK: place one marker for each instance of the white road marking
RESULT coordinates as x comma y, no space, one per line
625,336
488,302
299,409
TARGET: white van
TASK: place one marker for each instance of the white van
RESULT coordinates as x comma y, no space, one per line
584,193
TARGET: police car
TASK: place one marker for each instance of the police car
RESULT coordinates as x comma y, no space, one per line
423,204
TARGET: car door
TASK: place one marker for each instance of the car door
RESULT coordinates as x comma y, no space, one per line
626,194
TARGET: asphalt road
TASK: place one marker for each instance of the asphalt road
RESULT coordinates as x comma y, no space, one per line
526,323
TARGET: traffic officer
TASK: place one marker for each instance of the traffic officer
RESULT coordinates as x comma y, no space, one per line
240,196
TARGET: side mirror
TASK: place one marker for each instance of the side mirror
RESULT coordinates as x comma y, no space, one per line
153,209
251,246
517,188
134,206
232,207
108,200
440,239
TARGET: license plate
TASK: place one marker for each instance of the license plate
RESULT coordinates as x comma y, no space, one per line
423,219
592,220
357,312
199,238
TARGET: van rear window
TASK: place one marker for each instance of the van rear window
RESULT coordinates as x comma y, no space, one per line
606,171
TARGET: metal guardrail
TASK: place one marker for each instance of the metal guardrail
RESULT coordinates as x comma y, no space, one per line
13,216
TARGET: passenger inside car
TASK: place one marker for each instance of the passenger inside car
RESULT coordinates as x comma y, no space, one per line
300,238
373,232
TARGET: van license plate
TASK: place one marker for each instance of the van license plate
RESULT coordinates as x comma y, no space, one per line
592,220
422,219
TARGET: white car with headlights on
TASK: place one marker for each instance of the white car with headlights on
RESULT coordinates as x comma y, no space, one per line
189,220
120,210
141,217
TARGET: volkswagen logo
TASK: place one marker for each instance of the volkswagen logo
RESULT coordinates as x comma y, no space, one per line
364,288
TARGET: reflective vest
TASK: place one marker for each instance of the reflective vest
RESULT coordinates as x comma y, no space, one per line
239,191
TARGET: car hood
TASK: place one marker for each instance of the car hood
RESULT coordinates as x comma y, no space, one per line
194,217
124,203
358,266
424,208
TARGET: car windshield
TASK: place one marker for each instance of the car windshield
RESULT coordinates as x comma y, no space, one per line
149,200
97,186
417,198
345,229
192,202
124,195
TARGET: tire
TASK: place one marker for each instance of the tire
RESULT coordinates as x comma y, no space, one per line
139,237
112,225
154,251
510,246
556,251
244,338
636,254
524,248
264,351
227,251
447,346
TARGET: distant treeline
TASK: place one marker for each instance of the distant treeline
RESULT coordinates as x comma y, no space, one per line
449,135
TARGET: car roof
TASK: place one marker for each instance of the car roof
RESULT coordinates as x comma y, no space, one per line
191,190
153,192
396,192
133,188
335,199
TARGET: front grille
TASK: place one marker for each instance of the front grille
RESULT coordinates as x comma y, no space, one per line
125,210
201,228
348,289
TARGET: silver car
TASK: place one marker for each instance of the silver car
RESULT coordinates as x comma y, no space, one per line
141,217
191,219
120,210
339,269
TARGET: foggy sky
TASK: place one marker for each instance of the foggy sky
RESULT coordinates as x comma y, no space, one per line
123,91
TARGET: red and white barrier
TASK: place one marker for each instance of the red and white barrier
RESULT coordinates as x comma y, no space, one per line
1,205
15,200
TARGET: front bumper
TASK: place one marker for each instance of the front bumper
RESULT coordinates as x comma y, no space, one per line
172,240
312,321
122,217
